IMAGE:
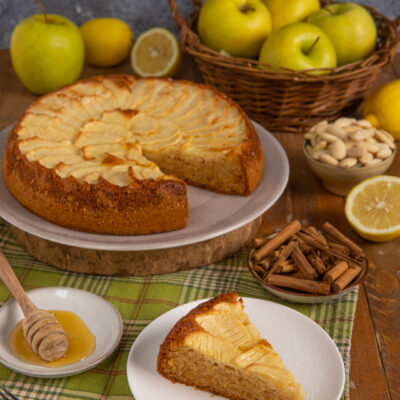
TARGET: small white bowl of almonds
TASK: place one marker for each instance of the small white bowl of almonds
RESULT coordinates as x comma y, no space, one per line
347,151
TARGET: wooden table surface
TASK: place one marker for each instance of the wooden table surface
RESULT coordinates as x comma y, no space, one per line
375,352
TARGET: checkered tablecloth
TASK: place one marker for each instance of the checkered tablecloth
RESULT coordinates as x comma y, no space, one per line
142,299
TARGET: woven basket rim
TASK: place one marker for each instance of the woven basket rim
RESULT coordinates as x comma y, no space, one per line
379,58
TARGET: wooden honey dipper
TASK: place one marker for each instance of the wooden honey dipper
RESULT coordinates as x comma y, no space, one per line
42,331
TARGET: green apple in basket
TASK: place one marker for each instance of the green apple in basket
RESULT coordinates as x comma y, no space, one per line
298,46
350,27
284,12
235,27
47,52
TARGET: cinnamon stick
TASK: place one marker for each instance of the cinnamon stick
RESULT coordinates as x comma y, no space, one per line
277,240
304,247
260,270
343,281
303,285
312,231
297,274
313,242
336,271
264,264
348,259
303,265
339,248
287,250
257,242
317,263
336,234
287,268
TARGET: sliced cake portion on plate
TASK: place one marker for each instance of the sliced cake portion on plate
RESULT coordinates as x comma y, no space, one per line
217,349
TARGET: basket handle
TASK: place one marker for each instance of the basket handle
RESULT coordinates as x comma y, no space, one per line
180,20
397,37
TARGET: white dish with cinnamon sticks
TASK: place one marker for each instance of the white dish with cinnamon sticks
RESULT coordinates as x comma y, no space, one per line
303,265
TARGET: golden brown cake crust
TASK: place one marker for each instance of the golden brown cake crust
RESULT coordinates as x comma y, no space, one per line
142,207
147,207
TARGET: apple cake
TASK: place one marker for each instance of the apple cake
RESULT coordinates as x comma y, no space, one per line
217,349
113,154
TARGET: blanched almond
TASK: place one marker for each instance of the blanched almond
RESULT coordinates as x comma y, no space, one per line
341,122
361,134
308,135
317,154
320,127
384,138
351,128
348,162
320,146
350,143
384,153
365,158
328,137
337,131
364,123
387,134
356,151
338,149
328,159
374,161
372,147
370,139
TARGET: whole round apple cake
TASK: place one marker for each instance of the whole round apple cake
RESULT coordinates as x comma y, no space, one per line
113,154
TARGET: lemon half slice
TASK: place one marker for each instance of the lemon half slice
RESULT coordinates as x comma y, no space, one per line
373,208
156,52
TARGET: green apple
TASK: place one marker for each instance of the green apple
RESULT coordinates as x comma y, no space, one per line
47,52
289,11
350,27
298,46
235,27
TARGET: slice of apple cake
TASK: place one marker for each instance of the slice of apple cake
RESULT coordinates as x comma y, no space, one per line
217,349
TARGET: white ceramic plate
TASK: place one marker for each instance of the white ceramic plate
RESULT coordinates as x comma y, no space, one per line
210,214
100,316
305,348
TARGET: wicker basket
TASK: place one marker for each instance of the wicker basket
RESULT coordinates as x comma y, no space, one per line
289,102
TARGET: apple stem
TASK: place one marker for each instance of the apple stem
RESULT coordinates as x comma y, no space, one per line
43,10
329,11
308,51
246,8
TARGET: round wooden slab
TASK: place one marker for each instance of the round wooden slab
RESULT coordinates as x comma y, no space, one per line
149,262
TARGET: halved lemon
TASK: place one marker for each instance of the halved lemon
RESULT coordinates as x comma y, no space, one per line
156,52
373,208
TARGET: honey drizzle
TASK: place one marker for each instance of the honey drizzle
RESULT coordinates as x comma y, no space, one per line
81,342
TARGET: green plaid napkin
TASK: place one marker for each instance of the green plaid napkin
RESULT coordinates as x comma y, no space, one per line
142,299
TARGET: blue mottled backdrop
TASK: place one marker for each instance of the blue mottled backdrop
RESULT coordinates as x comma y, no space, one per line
139,14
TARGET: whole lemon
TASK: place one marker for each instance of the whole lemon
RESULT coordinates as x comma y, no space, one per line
382,106
108,41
